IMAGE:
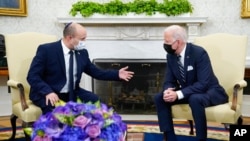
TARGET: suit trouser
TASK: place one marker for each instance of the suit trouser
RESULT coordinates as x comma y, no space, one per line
197,103
84,95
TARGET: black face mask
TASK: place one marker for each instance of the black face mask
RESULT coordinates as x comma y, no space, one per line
168,49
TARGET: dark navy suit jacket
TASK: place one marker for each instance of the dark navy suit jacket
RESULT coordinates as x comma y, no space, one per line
199,75
47,71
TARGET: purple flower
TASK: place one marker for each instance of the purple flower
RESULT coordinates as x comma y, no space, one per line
72,133
93,130
44,138
79,122
55,131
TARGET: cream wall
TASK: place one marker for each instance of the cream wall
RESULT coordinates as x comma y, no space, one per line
223,16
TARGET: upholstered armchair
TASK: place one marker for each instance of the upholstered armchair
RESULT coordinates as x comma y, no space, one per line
20,49
228,54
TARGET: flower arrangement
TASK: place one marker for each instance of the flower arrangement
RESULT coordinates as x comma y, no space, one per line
74,121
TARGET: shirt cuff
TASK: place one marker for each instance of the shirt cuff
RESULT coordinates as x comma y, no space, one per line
179,94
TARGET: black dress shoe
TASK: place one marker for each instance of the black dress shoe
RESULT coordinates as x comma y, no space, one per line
164,136
169,136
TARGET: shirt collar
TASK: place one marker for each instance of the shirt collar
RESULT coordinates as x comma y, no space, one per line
182,54
65,48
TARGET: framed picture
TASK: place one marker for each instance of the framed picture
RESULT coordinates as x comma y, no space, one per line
245,9
13,7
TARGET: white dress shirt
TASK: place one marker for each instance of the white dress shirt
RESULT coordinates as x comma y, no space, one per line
66,54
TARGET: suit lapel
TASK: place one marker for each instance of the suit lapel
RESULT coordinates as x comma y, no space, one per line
77,55
60,55
187,61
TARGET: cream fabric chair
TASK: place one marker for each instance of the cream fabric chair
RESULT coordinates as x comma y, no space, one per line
227,53
20,50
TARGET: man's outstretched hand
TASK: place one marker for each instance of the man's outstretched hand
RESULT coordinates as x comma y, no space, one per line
124,74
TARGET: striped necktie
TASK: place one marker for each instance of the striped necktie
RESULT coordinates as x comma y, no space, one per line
181,68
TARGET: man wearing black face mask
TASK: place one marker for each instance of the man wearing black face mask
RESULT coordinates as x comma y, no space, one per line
189,79
168,48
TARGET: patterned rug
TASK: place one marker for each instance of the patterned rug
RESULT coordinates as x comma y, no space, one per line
5,133
143,127
180,129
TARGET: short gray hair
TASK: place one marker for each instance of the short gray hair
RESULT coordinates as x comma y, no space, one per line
178,32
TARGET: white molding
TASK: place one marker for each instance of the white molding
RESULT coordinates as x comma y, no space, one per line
132,28
149,20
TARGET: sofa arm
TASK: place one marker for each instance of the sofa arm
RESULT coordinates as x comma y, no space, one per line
18,85
238,86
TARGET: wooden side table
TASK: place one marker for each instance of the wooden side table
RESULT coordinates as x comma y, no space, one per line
247,72
246,90
4,71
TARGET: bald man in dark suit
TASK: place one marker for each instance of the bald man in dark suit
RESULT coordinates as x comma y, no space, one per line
48,74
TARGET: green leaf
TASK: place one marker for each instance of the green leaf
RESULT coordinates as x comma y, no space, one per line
65,119
78,100
60,103
28,130
117,7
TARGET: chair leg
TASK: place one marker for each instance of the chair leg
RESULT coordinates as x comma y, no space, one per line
25,125
191,127
27,137
13,119
226,126
240,120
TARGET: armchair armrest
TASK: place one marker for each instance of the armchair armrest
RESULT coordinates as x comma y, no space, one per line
18,85
241,84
